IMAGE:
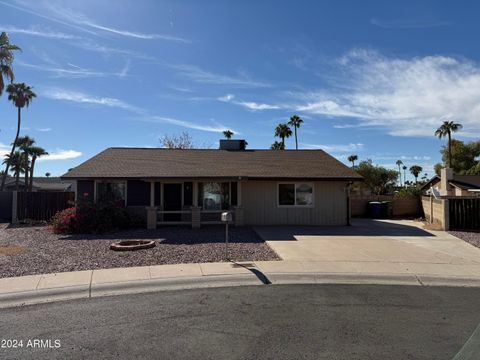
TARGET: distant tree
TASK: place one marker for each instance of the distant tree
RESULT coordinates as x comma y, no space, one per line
182,141
399,163
377,178
295,121
47,174
465,156
228,134
36,152
15,164
446,130
352,159
21,95
282,131
404,168
277,146
415,170
24,144
6,60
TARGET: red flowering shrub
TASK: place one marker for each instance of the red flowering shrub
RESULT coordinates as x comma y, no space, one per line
87,218
65,222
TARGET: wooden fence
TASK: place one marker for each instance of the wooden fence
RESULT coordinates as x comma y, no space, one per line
42,205
464,213
5,206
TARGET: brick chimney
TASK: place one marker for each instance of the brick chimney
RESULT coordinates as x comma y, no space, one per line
233,145
446,174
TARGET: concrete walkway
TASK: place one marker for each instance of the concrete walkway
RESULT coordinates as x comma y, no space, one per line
386,252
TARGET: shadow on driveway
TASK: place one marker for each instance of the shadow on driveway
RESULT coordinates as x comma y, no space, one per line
359,227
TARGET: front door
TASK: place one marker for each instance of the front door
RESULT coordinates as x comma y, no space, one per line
172,194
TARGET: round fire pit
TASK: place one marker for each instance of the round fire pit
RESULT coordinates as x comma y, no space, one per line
131,245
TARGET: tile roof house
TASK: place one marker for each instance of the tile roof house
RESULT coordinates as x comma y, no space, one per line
259,187
450,184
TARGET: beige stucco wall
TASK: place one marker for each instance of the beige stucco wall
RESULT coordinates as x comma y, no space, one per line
437,205
259,200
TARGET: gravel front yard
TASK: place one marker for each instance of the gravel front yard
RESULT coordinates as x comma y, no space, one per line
468,236
35,250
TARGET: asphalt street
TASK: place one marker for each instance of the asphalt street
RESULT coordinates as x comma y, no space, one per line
257,322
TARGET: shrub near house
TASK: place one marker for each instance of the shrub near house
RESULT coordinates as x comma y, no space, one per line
89,218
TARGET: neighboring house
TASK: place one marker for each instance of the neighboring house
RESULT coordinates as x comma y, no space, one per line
449,184
259,187
40,184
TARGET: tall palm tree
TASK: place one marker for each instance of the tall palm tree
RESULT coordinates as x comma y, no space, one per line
228,134
283,131
399,164
416,170
352,159
21,95
6,60
25,143
277,146
295,121
404,174
15,163
446,130
36,152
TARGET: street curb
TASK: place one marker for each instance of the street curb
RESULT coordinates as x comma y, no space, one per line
215,281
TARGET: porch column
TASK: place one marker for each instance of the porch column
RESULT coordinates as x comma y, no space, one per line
196,217
152,193
151,217
195,193
239,193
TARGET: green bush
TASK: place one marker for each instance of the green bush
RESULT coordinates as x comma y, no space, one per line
408,192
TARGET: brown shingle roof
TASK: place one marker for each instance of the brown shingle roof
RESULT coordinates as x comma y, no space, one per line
171,163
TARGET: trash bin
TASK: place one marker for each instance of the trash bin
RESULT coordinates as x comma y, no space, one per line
387,210
375,209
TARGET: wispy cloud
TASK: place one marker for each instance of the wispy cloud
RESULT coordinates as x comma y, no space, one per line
89,45
38,31
54,11
337,148
143,114
215,127
60,154
408,23
74,71
44,129
251,105
406,96
82,98
202,76
4,150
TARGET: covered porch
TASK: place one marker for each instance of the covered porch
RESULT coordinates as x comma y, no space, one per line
193,203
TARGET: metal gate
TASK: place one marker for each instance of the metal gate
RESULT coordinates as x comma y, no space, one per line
464,214
6,206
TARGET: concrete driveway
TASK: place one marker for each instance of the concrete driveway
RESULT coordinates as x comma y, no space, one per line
373,246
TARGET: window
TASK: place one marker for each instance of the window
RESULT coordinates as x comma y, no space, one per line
214,196
111,191
295,194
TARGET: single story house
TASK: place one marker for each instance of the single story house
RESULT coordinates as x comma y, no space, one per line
450,184
259,187
48,184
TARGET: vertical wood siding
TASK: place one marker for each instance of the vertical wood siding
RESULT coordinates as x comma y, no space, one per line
259,200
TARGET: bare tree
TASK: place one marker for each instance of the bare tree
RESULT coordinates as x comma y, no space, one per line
182,141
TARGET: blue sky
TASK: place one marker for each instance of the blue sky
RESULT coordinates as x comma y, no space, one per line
372,78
